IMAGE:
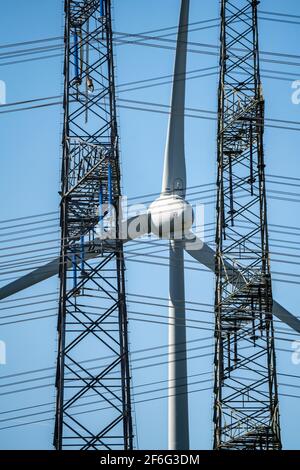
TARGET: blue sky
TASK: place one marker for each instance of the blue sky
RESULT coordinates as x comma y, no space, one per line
30,178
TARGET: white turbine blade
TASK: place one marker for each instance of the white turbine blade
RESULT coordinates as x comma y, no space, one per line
36,276
174,175
133,228
206,256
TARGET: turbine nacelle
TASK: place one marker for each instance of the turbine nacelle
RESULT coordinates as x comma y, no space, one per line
171,217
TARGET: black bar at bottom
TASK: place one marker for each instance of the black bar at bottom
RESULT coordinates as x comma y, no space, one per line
140,458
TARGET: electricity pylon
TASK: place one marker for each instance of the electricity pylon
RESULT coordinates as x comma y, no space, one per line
92,306
246,414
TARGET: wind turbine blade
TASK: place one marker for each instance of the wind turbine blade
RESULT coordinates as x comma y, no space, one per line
174,174
131,229
206,256
286,317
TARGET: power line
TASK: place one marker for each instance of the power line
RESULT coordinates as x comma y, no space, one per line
147,392
144,366
145,255
216,20
24,261
141,196
135,395
153,303
167,112
143,36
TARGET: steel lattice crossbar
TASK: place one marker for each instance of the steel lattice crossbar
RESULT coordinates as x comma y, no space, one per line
246,412
93,396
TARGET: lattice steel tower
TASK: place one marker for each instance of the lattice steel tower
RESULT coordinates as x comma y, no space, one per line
93,383
246,414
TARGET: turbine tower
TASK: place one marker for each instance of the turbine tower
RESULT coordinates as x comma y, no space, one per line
246,413
92,317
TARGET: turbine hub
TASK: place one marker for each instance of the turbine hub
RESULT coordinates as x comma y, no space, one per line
171,217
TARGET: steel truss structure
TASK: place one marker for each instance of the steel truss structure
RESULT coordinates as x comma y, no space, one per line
93,382
246,414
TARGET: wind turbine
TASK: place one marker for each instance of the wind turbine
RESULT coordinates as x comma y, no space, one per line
169,217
